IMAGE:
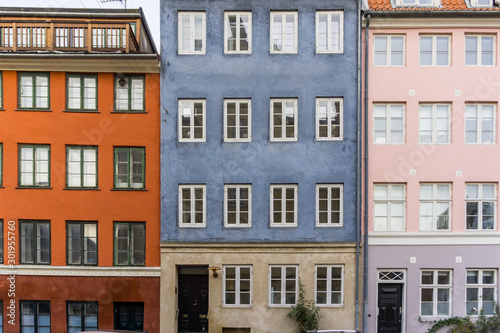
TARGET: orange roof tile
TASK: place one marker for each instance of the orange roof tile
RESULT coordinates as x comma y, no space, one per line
446,5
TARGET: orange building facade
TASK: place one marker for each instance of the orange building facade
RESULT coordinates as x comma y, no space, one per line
79,171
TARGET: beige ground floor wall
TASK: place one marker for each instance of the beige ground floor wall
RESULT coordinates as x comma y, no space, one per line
259,317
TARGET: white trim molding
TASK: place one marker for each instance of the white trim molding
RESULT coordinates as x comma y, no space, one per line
434,238
79,271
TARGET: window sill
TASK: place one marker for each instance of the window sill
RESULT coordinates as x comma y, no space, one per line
34,187
34,110
127,112
129,189
81,189
82,265
115,265
81,111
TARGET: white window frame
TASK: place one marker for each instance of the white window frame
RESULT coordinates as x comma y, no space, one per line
283,211
435,286
435,201
283,125
475,3
191,103
479,50
192,223
480,286
238,103
331,106
237,284
283,285
418,3
191,49
329,210
479,119
388,119
480,200
434,51
329,281
239,26
388,51
283,32
435,119
388,202
330,36
238,223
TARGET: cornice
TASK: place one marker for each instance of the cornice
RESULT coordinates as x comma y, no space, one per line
82,63
393,21
434,238
40,270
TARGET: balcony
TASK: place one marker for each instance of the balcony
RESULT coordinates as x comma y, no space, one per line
68,37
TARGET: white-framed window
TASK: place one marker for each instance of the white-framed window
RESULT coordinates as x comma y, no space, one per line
434,124
192,120
284,32
192,32
418,3
192,206
389,50
237,286
283,122
435,50
435,293
388,124
481,3
481,203
329,118
329,285
329,203
481,292
435,207
237,205
389,207
284,205
237,120
283,285
238,32
479,50
329,31
480,123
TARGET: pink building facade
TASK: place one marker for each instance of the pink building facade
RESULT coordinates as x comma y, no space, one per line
434,162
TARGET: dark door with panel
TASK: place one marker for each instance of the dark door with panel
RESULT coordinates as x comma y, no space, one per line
129,316
390,302
193,303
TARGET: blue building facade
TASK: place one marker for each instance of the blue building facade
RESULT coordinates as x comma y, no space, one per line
259,162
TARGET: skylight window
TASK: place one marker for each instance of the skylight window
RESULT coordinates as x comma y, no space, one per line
420,3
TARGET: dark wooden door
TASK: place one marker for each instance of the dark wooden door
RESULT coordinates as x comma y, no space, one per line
390,302
129,316
193,303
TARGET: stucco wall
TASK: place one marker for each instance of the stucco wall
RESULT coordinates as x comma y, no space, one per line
426,257
261,318
259,76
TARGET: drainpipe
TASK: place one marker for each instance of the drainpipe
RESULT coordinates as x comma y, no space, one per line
365,241
358,164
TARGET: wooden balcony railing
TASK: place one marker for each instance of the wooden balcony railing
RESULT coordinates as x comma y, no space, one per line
102,37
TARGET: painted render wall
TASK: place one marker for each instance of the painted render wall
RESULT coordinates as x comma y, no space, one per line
427,257
412,84
259,76
434,163
260,317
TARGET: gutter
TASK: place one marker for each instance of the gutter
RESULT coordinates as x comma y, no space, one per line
359,163
79,56
365,240
432,13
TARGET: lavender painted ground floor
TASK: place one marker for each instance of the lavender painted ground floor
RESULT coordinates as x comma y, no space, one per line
432,282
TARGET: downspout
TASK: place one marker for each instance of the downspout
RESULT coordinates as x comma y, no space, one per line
365,240
358,164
